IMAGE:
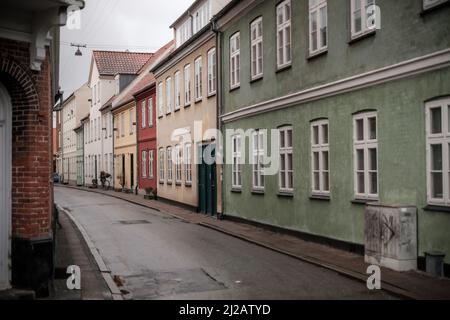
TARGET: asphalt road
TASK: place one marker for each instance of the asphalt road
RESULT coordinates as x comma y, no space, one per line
160,257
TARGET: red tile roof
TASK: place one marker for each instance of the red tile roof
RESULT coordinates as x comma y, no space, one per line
114,62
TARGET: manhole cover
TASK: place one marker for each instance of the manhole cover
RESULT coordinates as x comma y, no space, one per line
128,222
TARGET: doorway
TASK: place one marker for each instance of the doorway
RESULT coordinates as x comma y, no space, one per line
131,171
207,202
5,187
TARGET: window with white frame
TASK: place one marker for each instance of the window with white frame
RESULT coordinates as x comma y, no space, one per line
169,95
438,151
202,16
150,112
258,139
144,164
150,164
256,32
187,85
177,89
286,178
161,165
143,112
178,164
169,164
235,60
318,26
428,4
365,150
160,99
122,124
284,55
361,17
212,72
198,78
236,171
131,114
187,163
320,158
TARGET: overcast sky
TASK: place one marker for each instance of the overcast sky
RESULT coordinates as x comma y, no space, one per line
136,25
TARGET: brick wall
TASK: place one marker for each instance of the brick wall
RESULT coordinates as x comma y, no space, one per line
30,93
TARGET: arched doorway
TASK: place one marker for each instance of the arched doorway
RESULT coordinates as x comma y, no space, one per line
5,187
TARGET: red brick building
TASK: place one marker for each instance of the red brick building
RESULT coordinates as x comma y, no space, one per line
29,60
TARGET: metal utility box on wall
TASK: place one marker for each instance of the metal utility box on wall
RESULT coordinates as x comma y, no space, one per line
391,236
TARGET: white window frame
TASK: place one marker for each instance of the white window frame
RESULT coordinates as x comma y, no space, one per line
443,139
150,164
187,85
198,79
236,171
284,48
256,48
162,164
177,90
143,112
212,72
150,112
188,163
363,5
365,145
315,10
169,95
144,164
169,165
258,144
178,162
131,115
320,145
235,60
160,99
287,151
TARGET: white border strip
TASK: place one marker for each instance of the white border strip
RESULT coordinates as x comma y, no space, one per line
404,69
106,273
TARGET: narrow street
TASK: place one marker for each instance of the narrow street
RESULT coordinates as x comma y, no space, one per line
160,257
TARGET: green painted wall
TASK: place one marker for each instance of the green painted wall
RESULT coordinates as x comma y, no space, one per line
402,176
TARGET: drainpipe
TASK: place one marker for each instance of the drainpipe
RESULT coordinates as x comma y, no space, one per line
114,154
219,104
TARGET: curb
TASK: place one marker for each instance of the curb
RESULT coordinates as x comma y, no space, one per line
397,291
116,294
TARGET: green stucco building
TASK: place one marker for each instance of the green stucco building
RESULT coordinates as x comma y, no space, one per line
362,99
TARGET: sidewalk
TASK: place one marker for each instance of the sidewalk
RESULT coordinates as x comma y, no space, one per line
412,285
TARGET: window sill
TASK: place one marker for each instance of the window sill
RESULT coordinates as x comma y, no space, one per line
256,79
236,190
320,197
188,184
176,110
436,208
169,183
285,194
435,8
258,192
187,105
283,68
234,88
317,54
161,182
198,100
363,201
178,183
362,36
210,95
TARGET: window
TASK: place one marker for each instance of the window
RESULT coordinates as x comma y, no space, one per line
286,179
178,164
150,164
184,32
160,99
143,112
320,158
131,115
201,17
110,123
198,79
256,31
284,34
150,112
428,4
144,164
212,72
365,149
187,85
169,95
235,61
237,163
177,91
438,152
187,164
99,128
98,92
169,165
258,139
317,25
361,16
161,165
